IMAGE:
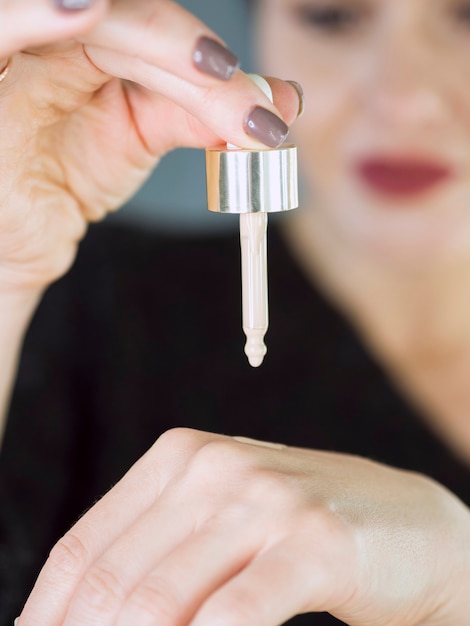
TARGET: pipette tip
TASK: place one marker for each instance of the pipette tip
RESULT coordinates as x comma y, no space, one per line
255,348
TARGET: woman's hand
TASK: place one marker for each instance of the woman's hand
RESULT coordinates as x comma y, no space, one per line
91,102
207,529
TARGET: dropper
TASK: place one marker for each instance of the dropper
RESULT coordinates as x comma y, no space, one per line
253,228
253,183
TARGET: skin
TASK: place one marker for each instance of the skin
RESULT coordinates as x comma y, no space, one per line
204,529
391,82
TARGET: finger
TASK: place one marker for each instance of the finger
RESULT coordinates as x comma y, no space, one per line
288,98
226,109
167,36
295,576
104,586
27,23
176,588
100,527
162,549
181,128
157,52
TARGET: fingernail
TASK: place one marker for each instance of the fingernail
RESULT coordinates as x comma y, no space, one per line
266,127
73,5
300,92
16,621
211,58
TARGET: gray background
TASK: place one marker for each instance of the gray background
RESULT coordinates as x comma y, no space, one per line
174,199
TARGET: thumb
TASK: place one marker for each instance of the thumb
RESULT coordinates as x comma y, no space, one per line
31,23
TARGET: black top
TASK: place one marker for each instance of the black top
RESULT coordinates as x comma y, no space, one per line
144,334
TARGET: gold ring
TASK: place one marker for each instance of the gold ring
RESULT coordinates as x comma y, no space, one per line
4,72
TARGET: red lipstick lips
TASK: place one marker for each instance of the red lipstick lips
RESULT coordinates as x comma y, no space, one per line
402,177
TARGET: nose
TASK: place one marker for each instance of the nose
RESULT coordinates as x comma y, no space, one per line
407,90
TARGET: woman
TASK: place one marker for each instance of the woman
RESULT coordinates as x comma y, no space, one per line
208,528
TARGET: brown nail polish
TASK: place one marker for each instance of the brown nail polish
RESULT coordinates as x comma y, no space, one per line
300,92
211,58
266,127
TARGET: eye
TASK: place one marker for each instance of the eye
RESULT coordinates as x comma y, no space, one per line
462,12
331,18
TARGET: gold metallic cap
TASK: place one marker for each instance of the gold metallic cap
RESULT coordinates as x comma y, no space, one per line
252,181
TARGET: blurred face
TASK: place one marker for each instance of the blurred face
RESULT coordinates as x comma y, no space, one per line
384,142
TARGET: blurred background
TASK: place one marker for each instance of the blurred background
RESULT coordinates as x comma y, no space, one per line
174,198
